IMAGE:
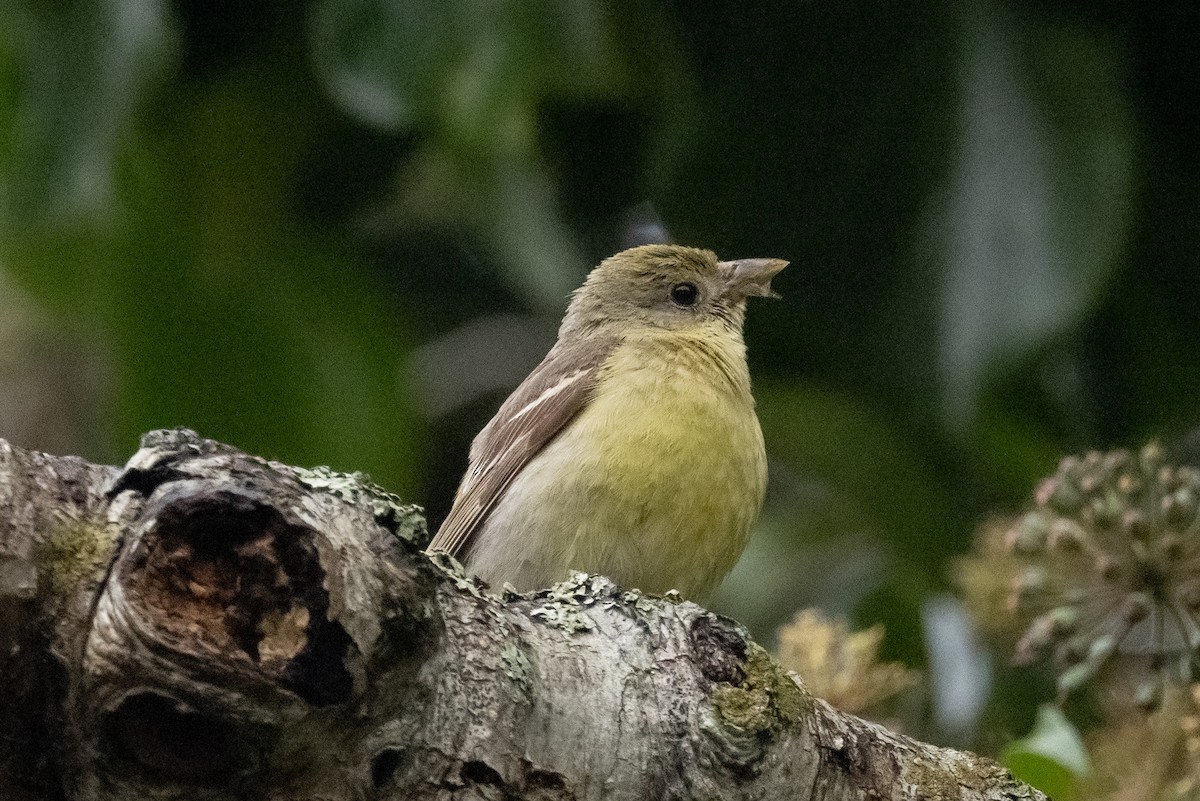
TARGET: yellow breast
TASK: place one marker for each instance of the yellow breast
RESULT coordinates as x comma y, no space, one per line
655,484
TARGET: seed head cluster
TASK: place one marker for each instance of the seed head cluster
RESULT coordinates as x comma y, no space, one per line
1108,570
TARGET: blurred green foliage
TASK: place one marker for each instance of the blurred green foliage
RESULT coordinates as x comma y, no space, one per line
260,210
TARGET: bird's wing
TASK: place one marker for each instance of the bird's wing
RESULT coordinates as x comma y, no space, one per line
556,391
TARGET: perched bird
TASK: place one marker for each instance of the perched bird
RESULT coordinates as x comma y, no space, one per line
633,449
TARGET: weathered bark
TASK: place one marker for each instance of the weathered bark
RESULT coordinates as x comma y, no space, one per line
203,624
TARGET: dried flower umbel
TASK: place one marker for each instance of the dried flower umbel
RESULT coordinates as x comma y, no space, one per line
1109,570
841,666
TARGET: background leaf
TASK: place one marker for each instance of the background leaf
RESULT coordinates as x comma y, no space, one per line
1051,757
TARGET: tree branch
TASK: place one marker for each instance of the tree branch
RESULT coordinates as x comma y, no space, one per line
208,625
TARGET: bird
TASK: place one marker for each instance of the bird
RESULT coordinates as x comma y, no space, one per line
633,449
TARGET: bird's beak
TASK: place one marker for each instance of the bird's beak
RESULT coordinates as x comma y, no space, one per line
750,277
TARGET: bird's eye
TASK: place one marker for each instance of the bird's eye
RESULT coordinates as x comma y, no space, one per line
684,294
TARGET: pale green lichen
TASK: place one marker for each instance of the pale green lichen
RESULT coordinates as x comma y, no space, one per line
933,777
930,779
457,574
406,521
743,708
640,602
516,664
565,615
517,668
75,551
768,697
564,604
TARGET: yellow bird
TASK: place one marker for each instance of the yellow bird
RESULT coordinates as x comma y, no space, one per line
633,449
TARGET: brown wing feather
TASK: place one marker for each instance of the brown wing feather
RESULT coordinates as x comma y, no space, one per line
538,409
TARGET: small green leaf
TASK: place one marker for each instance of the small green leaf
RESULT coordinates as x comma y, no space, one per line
1051,757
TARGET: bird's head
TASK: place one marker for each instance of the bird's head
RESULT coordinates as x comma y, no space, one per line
670,287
